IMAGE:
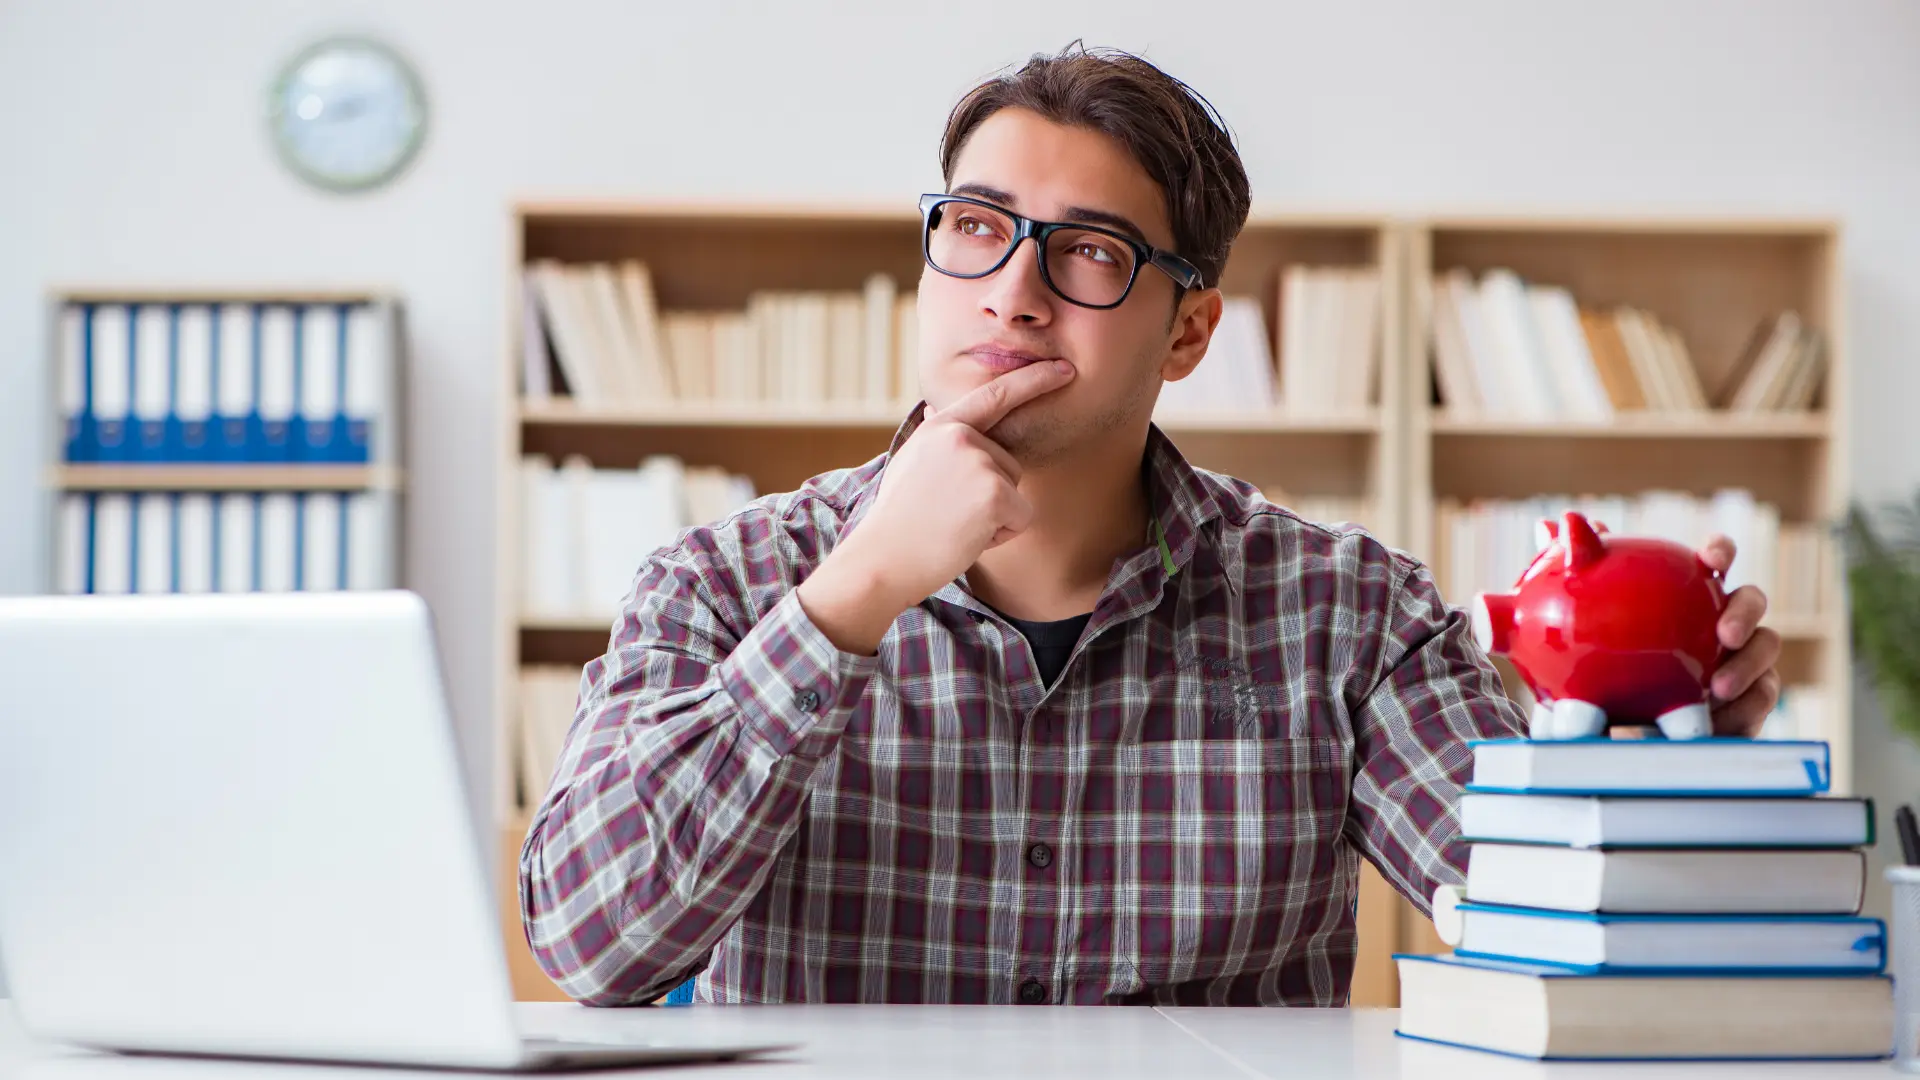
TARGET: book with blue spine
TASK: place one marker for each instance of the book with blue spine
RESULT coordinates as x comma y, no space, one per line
1653,766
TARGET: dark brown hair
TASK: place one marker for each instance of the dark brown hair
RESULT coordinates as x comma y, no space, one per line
1173,132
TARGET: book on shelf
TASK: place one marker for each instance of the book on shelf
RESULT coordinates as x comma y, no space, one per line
112,542
1479,541
587,529
1329,337
548,694
595,333
229,382
1506,347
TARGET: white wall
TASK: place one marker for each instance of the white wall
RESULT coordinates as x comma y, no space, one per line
132,151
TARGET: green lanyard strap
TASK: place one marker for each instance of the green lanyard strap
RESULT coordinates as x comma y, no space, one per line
1166,557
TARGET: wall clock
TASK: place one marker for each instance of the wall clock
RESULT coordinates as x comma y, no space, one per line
347,114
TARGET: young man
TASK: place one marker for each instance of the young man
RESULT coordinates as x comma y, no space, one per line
1027,709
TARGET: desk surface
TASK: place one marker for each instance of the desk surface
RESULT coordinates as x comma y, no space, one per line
1000,1042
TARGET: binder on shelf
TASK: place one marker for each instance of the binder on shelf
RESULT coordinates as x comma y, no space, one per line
110,559
277,392
235,547
243,541
72,554
370,384
194,535
152,556
74,360
318,363
111,366
190,426
152,345
236,372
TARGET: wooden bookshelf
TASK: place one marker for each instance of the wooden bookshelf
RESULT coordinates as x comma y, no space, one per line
1711,279
237,477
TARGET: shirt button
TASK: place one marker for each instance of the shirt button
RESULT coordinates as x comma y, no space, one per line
1033,992
806,700
1040,855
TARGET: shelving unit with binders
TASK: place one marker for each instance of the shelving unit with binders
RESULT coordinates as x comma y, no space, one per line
1324,436
225,441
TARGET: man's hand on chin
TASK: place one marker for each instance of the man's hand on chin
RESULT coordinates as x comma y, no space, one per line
1746,686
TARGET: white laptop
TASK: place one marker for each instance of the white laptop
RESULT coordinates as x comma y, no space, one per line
236,826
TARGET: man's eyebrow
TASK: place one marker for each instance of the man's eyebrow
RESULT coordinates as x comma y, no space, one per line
982,191
1078,214
1086,216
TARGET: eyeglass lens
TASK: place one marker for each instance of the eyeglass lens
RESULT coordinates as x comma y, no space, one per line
1085,266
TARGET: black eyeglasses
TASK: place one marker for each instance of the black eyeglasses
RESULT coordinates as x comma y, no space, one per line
1083,264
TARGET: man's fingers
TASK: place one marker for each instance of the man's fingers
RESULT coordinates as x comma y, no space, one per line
1718,552
1744,715
983,406
1008,465
1745,668
1746,606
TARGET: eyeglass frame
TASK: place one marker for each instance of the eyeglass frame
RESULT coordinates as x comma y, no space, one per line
1184,274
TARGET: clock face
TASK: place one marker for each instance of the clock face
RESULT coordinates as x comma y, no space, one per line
347,114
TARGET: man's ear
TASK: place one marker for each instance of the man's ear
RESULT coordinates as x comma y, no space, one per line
1194,320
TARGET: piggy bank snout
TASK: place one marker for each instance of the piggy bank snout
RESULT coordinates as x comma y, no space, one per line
1492,622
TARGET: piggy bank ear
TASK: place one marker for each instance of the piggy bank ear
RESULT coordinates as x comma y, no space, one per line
1545,532
1583,544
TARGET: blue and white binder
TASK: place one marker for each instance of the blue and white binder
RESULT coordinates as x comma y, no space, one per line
112,554
278,388
72,554
321,541
152,555
321,361
194,531
112,379
370,386
193,385
152,380
75,405
236,367
279,551
372,556
236,542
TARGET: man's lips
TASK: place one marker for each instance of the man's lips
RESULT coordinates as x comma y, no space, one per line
1001,358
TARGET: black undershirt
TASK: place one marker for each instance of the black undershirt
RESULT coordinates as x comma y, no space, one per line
1052,642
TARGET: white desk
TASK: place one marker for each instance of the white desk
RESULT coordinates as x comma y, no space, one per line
904,1042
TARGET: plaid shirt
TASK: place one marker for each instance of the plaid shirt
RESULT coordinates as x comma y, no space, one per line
1256,704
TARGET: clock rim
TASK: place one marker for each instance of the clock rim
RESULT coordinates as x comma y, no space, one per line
277,115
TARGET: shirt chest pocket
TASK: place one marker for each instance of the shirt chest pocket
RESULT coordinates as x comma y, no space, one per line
1232,838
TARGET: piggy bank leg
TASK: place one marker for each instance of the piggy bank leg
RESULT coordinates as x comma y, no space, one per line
1540,725
1687,722
1574,719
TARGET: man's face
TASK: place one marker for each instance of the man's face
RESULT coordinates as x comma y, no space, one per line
974,329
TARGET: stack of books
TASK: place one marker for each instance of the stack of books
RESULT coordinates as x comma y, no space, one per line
1655,899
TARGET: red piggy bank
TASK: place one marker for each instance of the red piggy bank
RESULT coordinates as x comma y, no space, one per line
1609,628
